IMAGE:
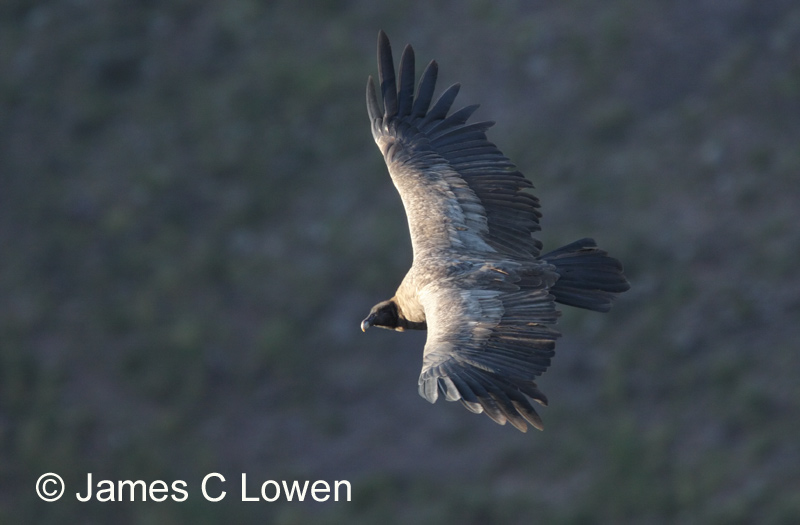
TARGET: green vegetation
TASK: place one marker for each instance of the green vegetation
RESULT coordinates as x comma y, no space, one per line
194,220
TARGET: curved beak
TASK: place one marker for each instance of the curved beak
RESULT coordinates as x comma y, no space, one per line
366,323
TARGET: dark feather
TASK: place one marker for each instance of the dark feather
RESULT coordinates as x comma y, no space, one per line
441,106
455,119
406,94
427,83
373,108
386,76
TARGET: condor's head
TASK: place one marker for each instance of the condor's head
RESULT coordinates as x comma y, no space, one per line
384,315
389,315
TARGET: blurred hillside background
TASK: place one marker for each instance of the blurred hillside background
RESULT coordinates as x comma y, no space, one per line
194,219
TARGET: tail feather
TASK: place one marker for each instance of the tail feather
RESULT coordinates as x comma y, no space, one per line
589,277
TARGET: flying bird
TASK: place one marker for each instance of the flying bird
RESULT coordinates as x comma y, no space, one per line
478,282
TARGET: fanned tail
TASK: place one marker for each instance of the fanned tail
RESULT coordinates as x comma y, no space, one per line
589,277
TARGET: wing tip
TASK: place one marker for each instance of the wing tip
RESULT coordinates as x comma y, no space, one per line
386,75
373,109
406,86
428,389
507,404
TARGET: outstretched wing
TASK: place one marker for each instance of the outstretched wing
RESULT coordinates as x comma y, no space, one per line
459,191
488,342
